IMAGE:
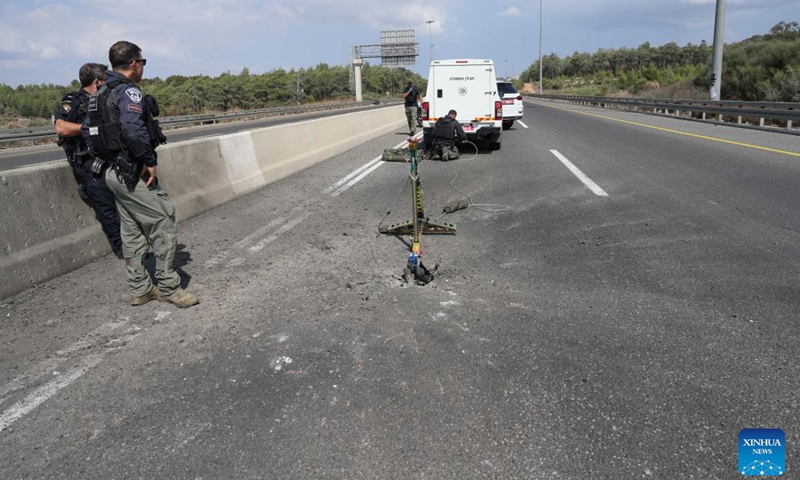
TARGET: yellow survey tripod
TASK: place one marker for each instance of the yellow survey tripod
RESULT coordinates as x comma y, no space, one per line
419,225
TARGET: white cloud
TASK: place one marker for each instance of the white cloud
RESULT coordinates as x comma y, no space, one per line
49,52
191,37
512,12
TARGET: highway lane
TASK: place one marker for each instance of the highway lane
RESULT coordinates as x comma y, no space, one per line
573,335
26,156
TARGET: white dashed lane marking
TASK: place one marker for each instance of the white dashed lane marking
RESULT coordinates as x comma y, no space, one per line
581,176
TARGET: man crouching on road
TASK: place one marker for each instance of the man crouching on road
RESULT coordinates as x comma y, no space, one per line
445,133
117,131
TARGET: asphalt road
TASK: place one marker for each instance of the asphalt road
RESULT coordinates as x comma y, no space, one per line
627,330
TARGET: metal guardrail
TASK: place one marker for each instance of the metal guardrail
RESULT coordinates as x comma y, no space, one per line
737,113
34,133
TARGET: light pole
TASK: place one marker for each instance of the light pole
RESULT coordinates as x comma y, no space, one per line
540,48
506,68
430,38
716,59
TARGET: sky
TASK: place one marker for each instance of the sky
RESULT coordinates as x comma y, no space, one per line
44,42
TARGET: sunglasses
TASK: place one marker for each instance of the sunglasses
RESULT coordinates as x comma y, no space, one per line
143,61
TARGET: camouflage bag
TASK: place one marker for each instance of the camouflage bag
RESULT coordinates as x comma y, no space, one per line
396,155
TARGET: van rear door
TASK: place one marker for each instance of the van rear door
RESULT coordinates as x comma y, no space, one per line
470,88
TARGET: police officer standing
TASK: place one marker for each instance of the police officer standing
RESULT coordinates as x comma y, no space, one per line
90,176
412,98
445,132
123,136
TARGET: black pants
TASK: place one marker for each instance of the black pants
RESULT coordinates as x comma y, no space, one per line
102,202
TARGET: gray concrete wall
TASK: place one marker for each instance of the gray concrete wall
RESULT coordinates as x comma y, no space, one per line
46,230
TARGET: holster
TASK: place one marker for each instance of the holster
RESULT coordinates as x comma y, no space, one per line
70,157
127,171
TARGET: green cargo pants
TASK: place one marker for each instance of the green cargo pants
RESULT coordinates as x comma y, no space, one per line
147,219
411,117
445,151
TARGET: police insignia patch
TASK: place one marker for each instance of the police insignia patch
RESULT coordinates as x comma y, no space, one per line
134,94
67,107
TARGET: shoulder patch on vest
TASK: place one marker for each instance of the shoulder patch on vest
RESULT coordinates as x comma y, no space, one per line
134,94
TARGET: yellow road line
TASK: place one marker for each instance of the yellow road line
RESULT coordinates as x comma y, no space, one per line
703,137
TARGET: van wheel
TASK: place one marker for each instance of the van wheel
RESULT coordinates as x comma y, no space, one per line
494,145
507,124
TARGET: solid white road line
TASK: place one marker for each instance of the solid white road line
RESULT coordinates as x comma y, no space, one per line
523,125
46,367
352,174
261,231
43,393
241,244
43,368
90,340
581,176
358,178
339,187
263,243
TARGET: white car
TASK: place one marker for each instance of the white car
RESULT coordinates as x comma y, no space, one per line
512,103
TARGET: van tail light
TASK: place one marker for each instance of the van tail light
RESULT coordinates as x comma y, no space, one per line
498,110
425,110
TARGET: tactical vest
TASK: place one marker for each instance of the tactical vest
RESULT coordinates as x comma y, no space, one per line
106,131
77,101
444,130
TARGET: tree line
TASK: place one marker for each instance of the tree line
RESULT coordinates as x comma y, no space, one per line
760,68
185,95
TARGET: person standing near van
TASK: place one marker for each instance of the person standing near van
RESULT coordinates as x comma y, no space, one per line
412,97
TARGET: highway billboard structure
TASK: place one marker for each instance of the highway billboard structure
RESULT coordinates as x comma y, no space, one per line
398,48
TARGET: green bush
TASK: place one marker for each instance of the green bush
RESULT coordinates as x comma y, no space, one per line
784,86
763,67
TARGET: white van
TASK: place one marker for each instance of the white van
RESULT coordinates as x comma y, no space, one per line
470,88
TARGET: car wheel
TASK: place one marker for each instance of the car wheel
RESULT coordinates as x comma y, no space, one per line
494,145
507,124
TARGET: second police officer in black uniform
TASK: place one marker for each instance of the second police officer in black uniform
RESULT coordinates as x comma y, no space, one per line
90,175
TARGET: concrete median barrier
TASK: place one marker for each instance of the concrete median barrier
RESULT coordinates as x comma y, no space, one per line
46,230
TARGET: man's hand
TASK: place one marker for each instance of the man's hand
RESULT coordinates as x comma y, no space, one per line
150,174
